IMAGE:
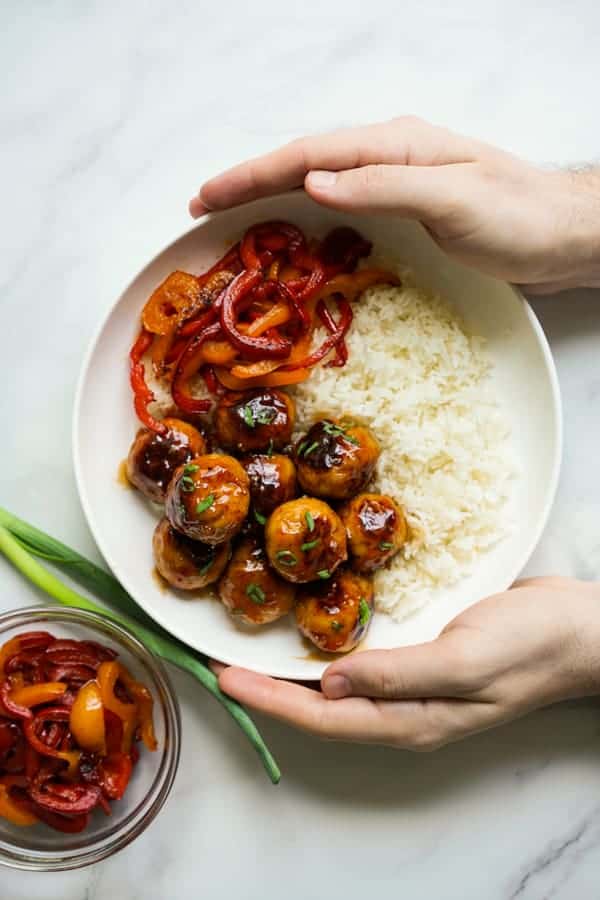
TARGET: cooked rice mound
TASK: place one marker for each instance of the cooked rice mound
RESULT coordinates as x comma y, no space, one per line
421,382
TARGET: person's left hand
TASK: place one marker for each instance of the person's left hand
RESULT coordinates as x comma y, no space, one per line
509,654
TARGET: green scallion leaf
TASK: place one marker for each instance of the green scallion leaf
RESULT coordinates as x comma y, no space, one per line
336,626
301,447
385,545
259,517
205,504
324,573
310,522
266,416
248,416
364,611
256,593
270,450
204,568
311,448
190,468
187,484
309,545
286,557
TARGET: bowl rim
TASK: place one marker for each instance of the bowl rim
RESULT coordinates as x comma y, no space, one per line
138,819
549,366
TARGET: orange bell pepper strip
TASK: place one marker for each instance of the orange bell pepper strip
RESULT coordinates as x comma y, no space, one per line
10,811
273,379
34,694
107,675
145,703
353,284
86,720
174,299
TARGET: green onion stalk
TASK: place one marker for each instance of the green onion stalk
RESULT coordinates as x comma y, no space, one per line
20,542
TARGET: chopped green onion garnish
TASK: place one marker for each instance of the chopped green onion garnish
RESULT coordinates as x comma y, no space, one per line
286,557
204,569
248,416
310,544
187,484
259,517
337,626
364,611
266,416
256,593
312,447
324,573
301,447
310,522
270,450
190,469
351,440
385,545
205,504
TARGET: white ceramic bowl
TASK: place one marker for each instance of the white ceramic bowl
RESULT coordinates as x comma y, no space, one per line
122,522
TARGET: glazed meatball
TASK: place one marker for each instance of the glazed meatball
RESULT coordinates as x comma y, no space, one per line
376,529
336,459
208,498
255,420
251,590
272,481
184,563
153,458
305,540
335,614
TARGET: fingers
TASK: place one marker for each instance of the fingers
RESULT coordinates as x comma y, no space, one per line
433,669
407,724
430,194
354,719
403,141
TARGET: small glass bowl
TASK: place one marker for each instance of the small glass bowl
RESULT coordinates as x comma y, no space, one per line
40,848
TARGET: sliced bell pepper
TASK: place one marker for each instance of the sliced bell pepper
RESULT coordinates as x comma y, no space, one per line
114,773
143,699
107,676
142,395
280,378
263,347
86,719
189,363
34,694
11,811
175,299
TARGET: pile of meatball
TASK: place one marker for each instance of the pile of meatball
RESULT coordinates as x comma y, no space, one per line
275,525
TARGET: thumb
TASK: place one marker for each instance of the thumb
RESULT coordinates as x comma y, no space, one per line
423,670
428,193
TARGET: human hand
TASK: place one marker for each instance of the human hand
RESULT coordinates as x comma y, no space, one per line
511,653
483,206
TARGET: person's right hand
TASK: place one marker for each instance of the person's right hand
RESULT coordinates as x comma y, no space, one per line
483,206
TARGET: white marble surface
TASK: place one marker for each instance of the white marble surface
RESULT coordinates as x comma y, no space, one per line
112,113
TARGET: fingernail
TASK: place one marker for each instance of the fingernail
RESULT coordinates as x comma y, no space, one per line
336,686
321,179
197,208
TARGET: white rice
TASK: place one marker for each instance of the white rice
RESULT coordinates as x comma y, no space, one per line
422,383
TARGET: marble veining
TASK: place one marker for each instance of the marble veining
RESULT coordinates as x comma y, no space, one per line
112,114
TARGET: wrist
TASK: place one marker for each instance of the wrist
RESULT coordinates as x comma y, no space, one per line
584,643
576,238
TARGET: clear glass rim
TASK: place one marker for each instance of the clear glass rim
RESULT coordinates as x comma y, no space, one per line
144,813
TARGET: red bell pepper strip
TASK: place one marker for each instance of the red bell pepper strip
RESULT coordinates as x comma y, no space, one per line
142,395
332,341
301,311
262,347
68,824
10,708
66,799
189,363
114,773
341,350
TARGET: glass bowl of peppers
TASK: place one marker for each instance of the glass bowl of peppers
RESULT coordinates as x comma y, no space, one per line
89,738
